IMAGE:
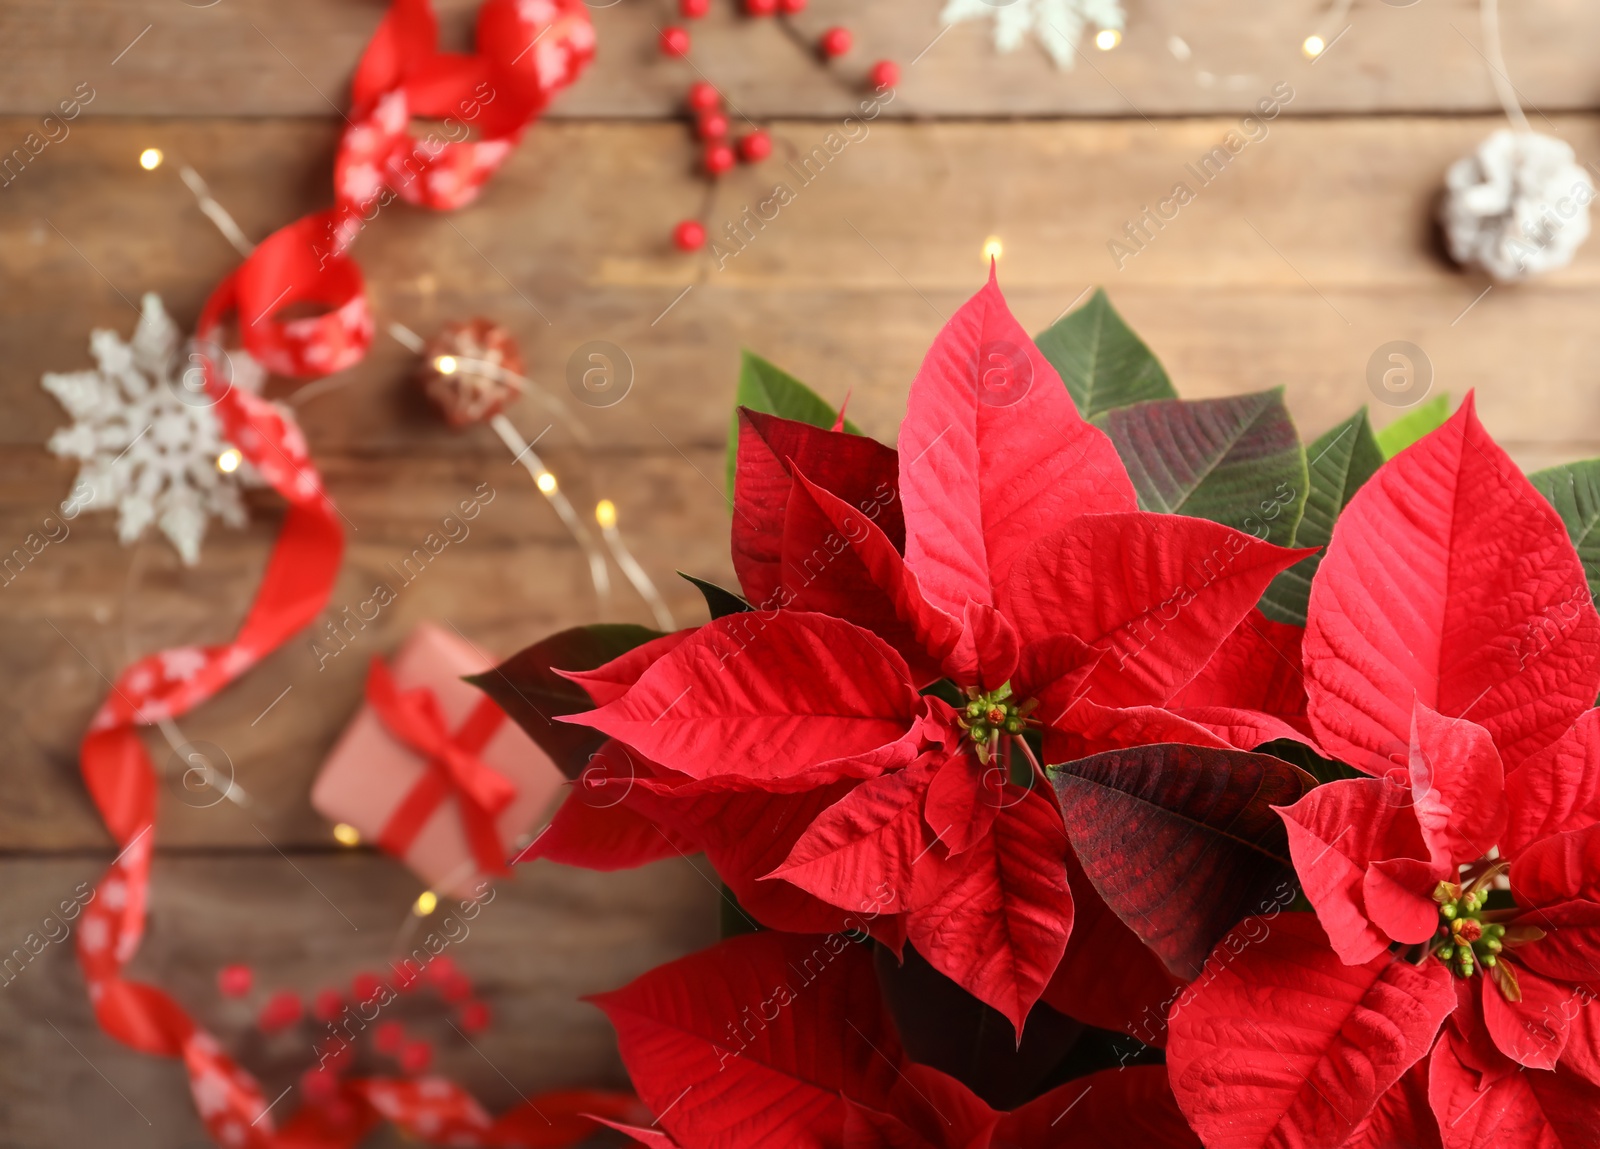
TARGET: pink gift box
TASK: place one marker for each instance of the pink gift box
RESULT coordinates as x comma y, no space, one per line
370,772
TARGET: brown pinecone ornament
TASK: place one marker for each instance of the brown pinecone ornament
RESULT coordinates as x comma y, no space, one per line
470,371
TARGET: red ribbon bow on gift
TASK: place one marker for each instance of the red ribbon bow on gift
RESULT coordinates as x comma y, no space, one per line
415,718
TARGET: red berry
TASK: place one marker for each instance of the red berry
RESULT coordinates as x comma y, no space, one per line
755,147
390,1037
415,1057
366,986
885,74
791,7
760,7
693,9
334,1052
718,159
319,1086
835,42
235,980
675,42
327,1005
690,235
282,1010
442,969
458,988
704,97
712,126
474,1017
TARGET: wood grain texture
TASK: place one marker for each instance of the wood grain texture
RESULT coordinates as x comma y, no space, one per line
549,936
1312,248
295,57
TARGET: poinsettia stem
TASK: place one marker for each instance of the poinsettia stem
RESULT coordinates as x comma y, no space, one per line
1038,770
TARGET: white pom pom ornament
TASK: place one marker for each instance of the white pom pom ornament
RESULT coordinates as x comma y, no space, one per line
1517,206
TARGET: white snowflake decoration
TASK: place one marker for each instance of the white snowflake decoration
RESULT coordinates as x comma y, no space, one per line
1517,206
148,444
1057,24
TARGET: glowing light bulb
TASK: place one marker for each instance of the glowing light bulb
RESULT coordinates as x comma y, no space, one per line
993,249
605,513
427,902
346,834
150,159
546,482
1107,39
228,462
446,364
1313,46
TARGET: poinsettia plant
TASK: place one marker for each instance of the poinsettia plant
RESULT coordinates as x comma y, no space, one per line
1097,765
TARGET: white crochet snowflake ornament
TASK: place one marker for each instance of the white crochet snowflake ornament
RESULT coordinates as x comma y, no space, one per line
1057,24
148,440
1517,206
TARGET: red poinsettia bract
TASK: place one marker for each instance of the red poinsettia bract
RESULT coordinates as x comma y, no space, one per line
999,550
1453,652
783,1040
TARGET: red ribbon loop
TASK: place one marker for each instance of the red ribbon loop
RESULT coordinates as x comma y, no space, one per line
415,718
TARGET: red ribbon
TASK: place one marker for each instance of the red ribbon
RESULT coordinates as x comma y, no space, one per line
527,49
415,718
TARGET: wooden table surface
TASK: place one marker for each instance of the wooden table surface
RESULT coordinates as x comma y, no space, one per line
1312,249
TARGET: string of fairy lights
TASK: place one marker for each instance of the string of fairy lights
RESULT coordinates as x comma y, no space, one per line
611,542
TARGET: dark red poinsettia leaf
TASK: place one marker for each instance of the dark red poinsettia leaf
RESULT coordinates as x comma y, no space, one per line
610,682
1402,1119
836,560
1556,790
1181,841
943,1026
781,702
993,454
1561,868
995,920
1450,581
1178,588
1108,977
531,692
1257,667
1336,833
1533,1108
1113,1109
859,470
861,850
1282,1044
743,1044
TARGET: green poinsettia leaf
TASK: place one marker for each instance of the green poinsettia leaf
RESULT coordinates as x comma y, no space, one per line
1413,425
719,602
1235,461
773,391
1102,362
1337,464
1573,489
527,687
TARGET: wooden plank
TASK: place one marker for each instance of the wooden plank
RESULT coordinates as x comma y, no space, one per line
1249,287
549,936
295,57
80,610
